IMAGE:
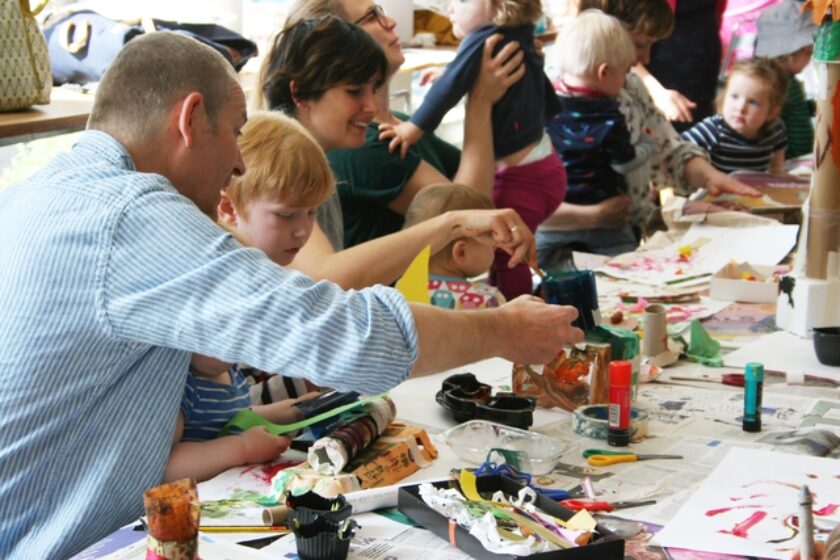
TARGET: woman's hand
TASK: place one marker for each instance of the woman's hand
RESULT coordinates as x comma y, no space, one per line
497,72
611,213
674,105
502,227
717,183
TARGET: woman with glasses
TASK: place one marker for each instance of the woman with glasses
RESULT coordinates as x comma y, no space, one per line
375,186
327,74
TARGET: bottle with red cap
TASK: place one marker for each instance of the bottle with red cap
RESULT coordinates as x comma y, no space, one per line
618,424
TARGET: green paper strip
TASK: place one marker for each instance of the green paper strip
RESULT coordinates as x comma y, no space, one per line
245,419
827,42
703,348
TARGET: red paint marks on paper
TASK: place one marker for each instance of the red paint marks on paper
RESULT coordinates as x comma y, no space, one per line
827,510
718,511
742,529
750,497
266,472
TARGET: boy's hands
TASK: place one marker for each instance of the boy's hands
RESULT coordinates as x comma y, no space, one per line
403,135
259,446
285,411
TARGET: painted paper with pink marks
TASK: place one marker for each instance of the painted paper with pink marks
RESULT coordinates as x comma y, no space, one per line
748,505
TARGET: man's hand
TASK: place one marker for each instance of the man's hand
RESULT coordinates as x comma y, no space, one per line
259,446
402,136
502,227
498,72
535,331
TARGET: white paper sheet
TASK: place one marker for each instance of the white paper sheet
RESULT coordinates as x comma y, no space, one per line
715,246
753,493
786,352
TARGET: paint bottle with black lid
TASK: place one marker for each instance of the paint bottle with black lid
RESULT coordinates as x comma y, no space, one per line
618,423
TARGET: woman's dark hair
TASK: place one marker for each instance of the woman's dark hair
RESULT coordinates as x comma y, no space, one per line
652,18
319,54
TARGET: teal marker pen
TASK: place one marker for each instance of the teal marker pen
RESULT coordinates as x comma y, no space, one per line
753,382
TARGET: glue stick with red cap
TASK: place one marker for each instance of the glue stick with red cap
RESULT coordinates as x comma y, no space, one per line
621,374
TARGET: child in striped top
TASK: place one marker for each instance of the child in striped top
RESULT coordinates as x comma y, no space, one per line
747,133
272,207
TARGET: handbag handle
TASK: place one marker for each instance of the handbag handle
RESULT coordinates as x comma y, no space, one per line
27,11
68,31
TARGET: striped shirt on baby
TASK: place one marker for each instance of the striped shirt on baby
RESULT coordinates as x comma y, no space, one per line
208,405
730,151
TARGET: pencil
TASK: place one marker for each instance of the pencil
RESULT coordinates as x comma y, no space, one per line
243,529
687,278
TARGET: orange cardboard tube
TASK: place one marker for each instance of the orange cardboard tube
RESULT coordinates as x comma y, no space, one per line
824,206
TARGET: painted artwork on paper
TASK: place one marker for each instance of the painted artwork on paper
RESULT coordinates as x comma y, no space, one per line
749,505
701,252
238,496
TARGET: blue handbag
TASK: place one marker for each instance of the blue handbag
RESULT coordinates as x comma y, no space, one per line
83,43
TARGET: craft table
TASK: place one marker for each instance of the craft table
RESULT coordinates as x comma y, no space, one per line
67,112
699,420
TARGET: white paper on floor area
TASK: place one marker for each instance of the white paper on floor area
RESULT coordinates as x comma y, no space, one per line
753,493
765,245
785,352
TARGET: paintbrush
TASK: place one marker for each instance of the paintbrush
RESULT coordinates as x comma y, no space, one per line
536,268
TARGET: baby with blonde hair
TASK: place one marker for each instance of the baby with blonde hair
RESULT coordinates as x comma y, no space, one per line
593,54
451,268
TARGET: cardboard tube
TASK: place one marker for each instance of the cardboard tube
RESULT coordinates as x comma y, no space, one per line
276,515
824,205
655,326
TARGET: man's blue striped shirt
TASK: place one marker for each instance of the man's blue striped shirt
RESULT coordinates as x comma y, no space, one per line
109,280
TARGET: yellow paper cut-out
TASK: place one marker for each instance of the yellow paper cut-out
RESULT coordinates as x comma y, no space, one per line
582,521
414,284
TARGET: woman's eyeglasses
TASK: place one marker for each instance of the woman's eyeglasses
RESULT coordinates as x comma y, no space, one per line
377,13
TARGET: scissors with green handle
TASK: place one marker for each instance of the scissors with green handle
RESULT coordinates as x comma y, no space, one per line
603,457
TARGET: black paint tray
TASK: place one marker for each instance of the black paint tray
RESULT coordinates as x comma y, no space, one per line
606,546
